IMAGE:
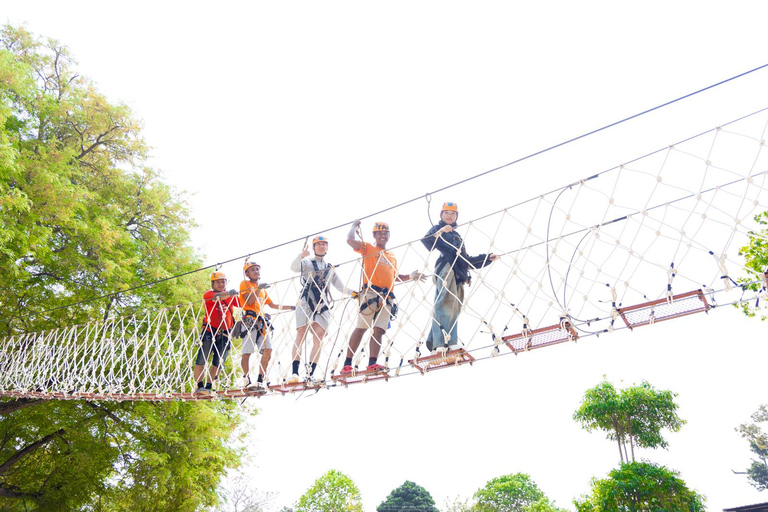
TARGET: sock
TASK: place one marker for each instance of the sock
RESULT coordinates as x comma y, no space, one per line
348,361
199,385
312,368
260,378
209,385
296,367
372,361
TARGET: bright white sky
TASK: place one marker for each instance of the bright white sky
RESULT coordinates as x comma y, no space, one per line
287,118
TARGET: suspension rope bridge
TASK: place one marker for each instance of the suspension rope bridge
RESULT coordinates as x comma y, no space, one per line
651,240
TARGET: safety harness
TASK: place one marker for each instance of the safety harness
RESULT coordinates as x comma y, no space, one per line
315,290
381,293
260,323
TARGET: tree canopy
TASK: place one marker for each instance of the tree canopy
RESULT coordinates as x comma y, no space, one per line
332,492
639,487
508,493
758,443
634,416
408,497
756,258
84,216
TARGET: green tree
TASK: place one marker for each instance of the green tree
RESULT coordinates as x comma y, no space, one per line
756,258
758,443
332,492
508,493
63,455
83,216
543,505
408,497
633,416
638,487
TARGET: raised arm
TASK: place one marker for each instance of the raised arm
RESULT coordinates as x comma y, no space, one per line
352,237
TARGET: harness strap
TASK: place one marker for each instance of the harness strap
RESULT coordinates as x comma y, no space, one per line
315,290
386,293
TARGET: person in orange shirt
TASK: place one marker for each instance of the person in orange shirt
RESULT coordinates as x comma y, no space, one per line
257,328
217,326
377,304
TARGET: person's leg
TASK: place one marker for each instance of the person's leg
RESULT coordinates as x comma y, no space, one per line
220,353
249,347
266,355
203,355
301,334
354,341
378,334
317,334
447,308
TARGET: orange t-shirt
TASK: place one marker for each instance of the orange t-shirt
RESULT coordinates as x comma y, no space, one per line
251,289
379,266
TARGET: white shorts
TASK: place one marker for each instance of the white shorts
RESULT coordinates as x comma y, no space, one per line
303,314
254,340
376,314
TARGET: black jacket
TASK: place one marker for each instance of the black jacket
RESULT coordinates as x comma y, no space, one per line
453,252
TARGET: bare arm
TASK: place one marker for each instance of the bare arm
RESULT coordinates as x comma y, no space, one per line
351,237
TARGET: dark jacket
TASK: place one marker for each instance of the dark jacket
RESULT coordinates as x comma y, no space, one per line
453,252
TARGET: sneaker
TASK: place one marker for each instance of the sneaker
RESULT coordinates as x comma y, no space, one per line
245,382
439,351
453,348
294,379
252,385
260,388
376,368
203,391
347,370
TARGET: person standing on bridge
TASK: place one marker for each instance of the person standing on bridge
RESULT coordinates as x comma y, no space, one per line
451,273
257,327
217,326
314,311
377,301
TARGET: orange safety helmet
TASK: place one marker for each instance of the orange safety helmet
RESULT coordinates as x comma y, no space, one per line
319,239
215,276
380,226
450,207
249,264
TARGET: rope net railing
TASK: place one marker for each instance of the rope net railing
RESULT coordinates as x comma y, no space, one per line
652,239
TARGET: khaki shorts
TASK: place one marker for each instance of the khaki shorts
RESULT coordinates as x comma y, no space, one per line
303,313
374,315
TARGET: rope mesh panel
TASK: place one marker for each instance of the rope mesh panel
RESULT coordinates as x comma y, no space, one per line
572,262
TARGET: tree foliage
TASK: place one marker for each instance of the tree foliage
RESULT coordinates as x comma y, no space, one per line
83,216
64,455
755,255
758,444
509,493
332,492
408,497
639,487
634,416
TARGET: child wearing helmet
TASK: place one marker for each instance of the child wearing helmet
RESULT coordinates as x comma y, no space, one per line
257,328
217,326
451,273
376,297
313,313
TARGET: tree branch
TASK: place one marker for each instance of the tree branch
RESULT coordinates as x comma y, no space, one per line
5,466
17,405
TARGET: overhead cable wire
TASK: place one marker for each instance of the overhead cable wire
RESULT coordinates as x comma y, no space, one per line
428,194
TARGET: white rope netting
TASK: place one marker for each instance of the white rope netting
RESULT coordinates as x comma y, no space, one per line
571,261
